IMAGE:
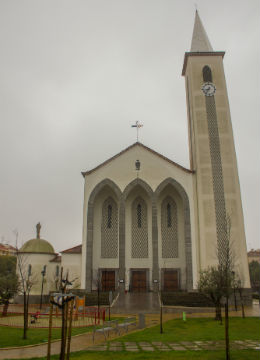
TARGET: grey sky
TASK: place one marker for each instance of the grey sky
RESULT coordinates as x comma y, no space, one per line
74,76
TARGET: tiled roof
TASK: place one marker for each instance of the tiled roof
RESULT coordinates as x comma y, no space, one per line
74,250
253,252
6,249
57,258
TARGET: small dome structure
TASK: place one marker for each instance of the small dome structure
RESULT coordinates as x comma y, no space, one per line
37,245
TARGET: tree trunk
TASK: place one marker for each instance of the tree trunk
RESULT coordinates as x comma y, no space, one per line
25,315
227,331
218,312
62,347
235,299
242,303
5,308
161,314
161,325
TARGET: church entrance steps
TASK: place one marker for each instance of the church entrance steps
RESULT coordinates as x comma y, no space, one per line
134,303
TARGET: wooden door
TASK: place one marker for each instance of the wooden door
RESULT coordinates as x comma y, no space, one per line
108,280
171,281
139,281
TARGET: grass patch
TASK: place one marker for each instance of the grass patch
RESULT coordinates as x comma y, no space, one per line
13,336
199,329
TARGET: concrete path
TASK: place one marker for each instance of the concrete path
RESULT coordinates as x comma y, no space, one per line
176,346
134,303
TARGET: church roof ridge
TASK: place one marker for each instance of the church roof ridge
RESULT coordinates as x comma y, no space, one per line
84,173
74,250
200,41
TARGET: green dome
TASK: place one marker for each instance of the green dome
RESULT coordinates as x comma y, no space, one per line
37,246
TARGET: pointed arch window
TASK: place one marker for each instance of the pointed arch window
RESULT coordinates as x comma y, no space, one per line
207,74
57,270
139,229
29,270
109,229
169,228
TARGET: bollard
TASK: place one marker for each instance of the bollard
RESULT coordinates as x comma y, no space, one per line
141,321
184,316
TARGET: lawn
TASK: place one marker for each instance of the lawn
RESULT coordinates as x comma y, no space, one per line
13,336
174,331
199,329
10,336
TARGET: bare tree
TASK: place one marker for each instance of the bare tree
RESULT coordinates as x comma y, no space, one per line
238,286
226,268
211,285
26,282
63,285
218,282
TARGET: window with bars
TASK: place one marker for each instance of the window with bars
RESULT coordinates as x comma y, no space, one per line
109,229
169,228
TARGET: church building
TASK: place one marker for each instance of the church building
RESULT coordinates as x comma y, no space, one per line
148,222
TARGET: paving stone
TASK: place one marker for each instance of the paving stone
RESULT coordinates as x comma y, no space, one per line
186,342
132,349
147,348
211,347
161,346
97,348
239,342
177,347
131,346
237,347
116,347
194,347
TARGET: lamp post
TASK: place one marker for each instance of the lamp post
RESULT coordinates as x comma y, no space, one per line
43,272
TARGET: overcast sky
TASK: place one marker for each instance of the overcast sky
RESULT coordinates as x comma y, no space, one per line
74,76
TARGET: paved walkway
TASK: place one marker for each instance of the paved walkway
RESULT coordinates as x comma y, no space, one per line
176,346
134,303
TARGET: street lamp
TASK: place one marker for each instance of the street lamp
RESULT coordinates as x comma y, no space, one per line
43,272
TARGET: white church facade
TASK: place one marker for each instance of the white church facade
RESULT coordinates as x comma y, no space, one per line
151,224
159,226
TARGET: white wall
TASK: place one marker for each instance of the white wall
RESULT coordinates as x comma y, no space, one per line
121,170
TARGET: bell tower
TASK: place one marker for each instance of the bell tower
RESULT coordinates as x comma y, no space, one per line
212,156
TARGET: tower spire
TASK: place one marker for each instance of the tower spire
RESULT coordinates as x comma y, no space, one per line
200,41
